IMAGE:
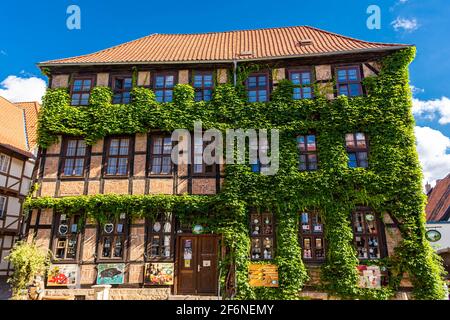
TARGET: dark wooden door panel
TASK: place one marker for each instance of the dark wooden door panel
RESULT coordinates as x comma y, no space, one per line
197,257
207,260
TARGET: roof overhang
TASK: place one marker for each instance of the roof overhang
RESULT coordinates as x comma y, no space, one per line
375,50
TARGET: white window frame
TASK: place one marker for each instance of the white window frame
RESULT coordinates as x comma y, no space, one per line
4,162
2,206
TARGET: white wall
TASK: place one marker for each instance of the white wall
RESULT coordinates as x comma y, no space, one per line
444,229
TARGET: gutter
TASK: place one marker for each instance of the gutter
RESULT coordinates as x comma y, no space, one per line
393,48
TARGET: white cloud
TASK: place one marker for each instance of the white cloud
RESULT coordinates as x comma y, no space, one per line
432,147
17,89
430,109
3,53
416,90
404,24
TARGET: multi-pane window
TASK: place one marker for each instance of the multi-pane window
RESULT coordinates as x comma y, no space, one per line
262,148
4,162
74,158
122,89
2,206
117,155
366,230
307,147
160,156
262,236
311,236
81,90
160,238
163,87
203,86
66,237
349,81
199,166
112,241
258,88
356,145
302,84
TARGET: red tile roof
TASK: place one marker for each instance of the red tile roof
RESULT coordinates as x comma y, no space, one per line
18,126
438,206
227,46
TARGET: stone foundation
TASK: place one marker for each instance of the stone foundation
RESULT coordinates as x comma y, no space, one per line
116,293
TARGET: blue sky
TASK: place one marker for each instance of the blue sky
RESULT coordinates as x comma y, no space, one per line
34,31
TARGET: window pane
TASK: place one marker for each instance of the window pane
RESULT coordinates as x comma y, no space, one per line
71,148
156,165
157,145
354,90
75,99
166,164
352,74
301,143
68,167
349,140
167,145
352,160
159,83
343,90
112,163
251,82
311,143
114,147
79,164
342,75
123,166
124,147
81,148
361,140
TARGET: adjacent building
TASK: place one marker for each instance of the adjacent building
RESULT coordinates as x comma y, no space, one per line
164,254
18,150
438,218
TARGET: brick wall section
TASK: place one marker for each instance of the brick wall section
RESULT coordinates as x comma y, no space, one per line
143,78
71,188
60,81
116,186
103,79
323,72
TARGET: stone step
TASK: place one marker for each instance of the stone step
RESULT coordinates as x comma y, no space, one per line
193,297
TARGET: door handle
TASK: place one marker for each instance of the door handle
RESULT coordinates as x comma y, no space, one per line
198,268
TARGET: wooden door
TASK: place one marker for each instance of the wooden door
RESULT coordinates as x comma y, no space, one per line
197,264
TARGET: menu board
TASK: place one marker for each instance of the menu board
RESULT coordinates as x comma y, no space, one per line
263,275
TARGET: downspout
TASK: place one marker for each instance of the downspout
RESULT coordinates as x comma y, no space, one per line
235,71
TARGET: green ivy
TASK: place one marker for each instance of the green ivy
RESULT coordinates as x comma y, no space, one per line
392,183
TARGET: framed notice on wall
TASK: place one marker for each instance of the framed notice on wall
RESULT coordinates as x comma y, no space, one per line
159,274
263,275
110,273
62,275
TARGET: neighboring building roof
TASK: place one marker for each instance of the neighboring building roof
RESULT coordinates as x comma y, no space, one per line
227,46
18,124
438,206
31,110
